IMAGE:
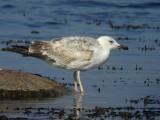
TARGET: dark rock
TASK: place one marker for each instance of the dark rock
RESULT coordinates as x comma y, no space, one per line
2,117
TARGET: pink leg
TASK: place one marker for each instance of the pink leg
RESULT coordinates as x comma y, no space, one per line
75,81
79,80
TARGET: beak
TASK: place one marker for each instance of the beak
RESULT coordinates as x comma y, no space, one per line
123,47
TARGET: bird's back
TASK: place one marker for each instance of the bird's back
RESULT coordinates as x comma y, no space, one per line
73,52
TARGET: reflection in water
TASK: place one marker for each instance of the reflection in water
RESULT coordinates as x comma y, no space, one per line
47,108
77,104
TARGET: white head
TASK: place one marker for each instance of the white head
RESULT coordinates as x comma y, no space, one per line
109,43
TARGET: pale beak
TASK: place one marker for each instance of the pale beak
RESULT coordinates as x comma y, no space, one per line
123,47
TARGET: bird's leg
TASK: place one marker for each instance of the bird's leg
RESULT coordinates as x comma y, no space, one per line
75,81
79,80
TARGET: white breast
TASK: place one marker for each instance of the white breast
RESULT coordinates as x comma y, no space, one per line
99,58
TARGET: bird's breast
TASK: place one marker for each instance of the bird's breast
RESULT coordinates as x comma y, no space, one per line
98,59
102,57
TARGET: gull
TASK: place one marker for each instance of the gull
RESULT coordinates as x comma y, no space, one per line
72,53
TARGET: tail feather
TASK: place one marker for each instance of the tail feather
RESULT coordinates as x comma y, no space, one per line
36,46
34,50
20,49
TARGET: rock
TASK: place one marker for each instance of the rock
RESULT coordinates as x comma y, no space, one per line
2,117
21,85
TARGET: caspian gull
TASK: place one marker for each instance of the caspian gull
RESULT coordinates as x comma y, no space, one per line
72,53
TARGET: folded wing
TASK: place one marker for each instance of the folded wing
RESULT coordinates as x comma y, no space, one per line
62,51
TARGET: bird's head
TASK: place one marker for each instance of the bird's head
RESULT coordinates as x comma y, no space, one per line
110,43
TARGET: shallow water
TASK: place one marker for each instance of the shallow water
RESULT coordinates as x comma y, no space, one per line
137,71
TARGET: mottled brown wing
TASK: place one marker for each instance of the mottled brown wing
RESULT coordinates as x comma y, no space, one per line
65,54
58,51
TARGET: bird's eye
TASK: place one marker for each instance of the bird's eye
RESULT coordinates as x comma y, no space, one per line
111,42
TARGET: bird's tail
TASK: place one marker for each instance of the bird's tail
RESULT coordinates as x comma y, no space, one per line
36,46
24,50
34,50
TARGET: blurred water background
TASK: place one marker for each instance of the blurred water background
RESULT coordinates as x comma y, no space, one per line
127,75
